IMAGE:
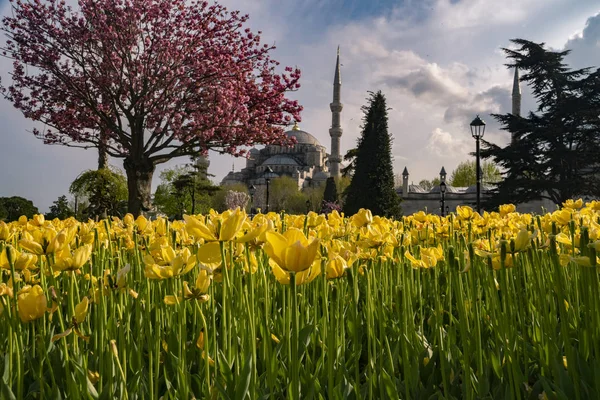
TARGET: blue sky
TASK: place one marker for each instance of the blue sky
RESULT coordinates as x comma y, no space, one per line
437,61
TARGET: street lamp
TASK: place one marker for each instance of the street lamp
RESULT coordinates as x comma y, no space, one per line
252,190
443,175
268,171
443,193
307,206
477,131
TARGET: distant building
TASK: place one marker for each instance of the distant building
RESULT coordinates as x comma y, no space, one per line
307,162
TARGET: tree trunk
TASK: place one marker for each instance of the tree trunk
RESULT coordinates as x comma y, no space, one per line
139,184
102,151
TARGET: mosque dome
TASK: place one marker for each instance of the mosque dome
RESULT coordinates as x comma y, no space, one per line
280,159
321,176
302,137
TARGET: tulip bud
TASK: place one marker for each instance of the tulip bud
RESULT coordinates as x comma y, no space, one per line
10,255
113,348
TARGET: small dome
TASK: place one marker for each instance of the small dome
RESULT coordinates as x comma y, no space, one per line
280,160
321,176
302,137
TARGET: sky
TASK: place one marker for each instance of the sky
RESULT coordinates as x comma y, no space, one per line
438,62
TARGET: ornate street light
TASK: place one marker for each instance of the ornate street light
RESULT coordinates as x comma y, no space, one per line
252,190
443,193
477,131
268,171
443,175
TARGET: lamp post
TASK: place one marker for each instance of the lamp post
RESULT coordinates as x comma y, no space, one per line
307,206
477,131
268,171
443,193
252,190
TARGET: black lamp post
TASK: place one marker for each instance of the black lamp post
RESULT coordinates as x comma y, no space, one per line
443,193
307,206
252,190
268,171
477,131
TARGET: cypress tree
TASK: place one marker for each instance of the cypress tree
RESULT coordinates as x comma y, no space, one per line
330,194
372,185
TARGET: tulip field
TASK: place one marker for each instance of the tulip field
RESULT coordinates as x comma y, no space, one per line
501,305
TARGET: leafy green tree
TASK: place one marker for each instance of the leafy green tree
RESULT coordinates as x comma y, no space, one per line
60,209
314,195
429,184
464,174
342,183
372,184
554,150
280,191
3,212
296,203
16,206
185,189
105,191
350,158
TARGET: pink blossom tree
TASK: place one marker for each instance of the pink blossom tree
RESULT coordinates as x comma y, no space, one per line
146,80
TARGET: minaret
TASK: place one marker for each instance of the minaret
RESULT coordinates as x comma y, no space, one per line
516,98
336,130
516,95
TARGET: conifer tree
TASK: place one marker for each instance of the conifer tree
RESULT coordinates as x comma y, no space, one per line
554,150
372,185
330,194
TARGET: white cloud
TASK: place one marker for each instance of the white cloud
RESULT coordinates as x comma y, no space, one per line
443,145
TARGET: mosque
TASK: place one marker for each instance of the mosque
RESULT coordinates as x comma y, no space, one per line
307,162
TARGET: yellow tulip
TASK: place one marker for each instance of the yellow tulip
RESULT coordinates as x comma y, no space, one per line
336,266
32,303
429,257
202,282
361,218
38,220
306,276
291,251
45,241
523,240
209,256
5,233
67,261
506,209
573,204
128,219
465,212
231,225
171,264
199,229
562,217
255,233
198,292
81,310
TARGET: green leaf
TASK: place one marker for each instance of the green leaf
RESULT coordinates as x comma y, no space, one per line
496,365
243,383
389,386
6,392
304,339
